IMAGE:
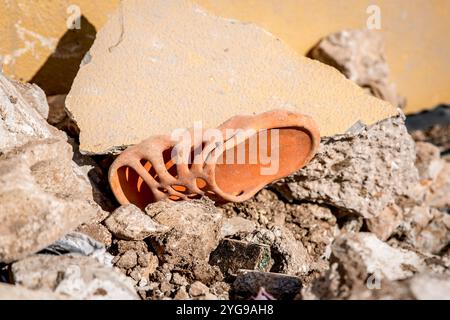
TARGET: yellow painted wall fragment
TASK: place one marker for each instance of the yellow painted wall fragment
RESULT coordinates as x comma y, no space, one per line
161,65
416,34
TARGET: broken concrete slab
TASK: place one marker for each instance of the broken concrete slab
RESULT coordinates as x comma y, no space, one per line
21,119
130,223
248,284
362,255
359,55
78,277
194,230
233,255
43,196
180,65
358,172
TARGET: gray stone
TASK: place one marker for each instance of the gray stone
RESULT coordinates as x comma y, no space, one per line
43,196
198,289
75,276
363,254
81,244
289,255
428,161
361,173
194,234
438,194
129,223
236,225
97,232
428,286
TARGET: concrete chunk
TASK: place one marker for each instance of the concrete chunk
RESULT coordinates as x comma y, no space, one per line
161,65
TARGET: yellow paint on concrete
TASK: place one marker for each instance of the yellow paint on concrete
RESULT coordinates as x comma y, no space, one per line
31,29
416,32
162,65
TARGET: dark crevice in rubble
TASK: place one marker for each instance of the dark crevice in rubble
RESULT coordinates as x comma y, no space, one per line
4,273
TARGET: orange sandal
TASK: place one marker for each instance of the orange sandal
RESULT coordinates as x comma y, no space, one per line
230,163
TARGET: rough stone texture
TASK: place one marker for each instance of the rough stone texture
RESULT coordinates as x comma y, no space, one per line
236,225
80,244
225,67
430,287
423,286
265,208
58,116
195,230
34,96
385,224
97,174
20,118
313,225
97,232
431,126
361,173
364,267
11,292
134,259
438,135
438,194
232,255
43,195
425,228
363,254
75,276
289,256
359,55
428,162
249,283
130,223
414,68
